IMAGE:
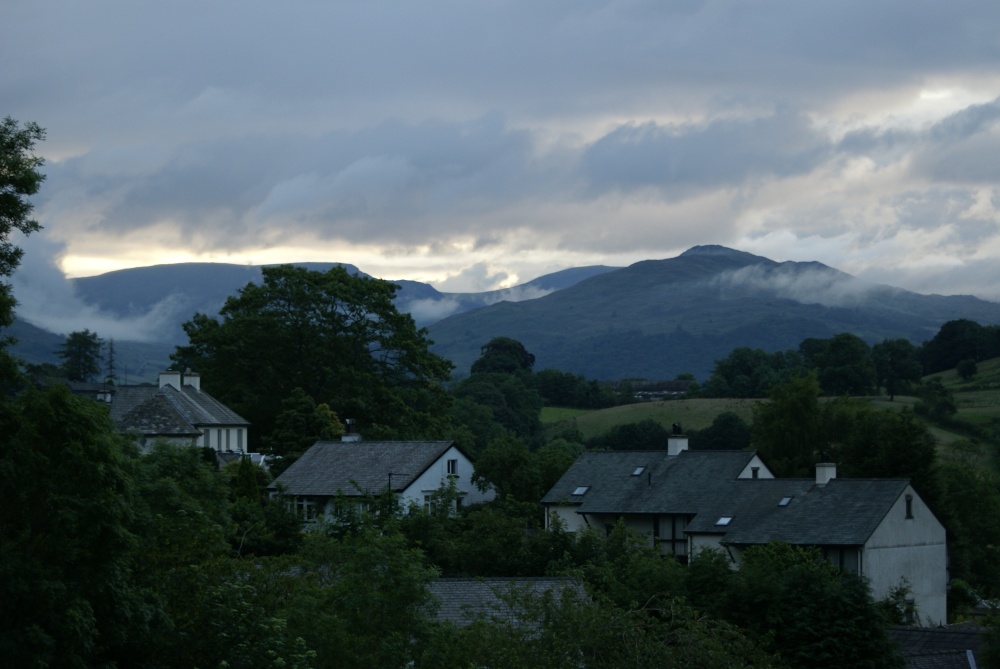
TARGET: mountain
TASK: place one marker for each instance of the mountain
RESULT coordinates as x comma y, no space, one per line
169,295
658,318
652,320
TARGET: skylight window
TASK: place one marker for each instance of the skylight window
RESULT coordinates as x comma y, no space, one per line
639,470
723,521
582,490
785,501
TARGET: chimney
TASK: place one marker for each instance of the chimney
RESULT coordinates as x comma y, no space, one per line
192,379
825,472
676,443
170,378
349,435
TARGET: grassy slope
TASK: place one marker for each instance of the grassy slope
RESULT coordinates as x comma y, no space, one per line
978,402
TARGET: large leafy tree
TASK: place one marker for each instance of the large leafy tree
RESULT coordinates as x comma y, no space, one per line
896,365
81,355
67,543
505,356
335,335
19,179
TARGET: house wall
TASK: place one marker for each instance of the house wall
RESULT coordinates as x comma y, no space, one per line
762,471
570,519
224,438
912,548
701,542
437,475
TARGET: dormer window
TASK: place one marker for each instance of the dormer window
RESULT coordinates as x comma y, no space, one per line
581,490
723,521
639,470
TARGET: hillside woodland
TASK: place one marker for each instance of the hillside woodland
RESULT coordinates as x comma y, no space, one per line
112,557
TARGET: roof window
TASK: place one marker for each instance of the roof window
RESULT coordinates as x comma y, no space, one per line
581,490
785,501
723,521
639,470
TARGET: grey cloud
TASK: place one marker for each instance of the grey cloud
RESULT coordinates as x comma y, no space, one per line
721,153
821,286
46,299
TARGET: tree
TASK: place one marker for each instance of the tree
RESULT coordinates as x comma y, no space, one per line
646,435
727,432
845,366
515,406
788,430
896,365
19,179
505,356
804,608
68,558
335,335
302,423
967,369
81,355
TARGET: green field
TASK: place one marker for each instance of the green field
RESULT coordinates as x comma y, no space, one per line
977,400
691,414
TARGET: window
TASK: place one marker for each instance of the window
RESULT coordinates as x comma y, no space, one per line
453,468
785,501
909,507
723,521
639,470
306,508
755,472
427,502
581,490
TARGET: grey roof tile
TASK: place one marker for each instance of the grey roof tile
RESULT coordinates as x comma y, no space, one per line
704,486
152,410
463,600
332,467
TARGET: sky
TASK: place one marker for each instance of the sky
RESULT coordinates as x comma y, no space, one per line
475,145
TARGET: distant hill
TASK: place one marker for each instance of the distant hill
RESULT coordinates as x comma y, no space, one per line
658,318
652,320
176,292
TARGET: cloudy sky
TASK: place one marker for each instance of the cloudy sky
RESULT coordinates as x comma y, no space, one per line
478,144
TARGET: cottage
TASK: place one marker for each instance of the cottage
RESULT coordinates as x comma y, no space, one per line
179,411
685,501
332,472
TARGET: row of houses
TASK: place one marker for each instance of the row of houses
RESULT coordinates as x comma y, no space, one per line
681,500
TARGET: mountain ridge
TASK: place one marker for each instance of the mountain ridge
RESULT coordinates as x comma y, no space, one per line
652,319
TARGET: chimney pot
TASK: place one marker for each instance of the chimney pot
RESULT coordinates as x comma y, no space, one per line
825,472
676,443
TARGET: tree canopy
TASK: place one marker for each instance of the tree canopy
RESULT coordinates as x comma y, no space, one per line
335,335
81,355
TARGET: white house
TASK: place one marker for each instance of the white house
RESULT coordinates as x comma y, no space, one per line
179,411
331,472
685,501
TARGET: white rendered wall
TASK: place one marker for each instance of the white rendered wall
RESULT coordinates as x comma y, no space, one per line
436,476
914,549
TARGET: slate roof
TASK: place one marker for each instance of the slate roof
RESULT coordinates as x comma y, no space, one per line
668,484
331,468
462,600
704,486
945,647
844,512
152,410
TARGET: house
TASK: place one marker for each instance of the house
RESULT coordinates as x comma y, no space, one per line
686,501
179,411
462,601
957,646
332,472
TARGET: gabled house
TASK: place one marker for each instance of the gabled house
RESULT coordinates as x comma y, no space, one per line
179,411
350,470
685,501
